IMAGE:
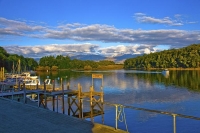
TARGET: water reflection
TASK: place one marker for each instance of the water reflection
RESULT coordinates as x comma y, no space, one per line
178,92
135,87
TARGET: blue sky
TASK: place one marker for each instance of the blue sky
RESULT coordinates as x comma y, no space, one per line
37,28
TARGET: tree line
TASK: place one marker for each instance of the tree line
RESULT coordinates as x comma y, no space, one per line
187,57
52,63
64,62
10,61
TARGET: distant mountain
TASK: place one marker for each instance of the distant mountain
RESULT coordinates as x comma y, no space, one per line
117,59
37,59
123,57
94,57
88,57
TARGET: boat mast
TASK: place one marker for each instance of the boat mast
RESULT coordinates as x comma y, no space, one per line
18,71
13,68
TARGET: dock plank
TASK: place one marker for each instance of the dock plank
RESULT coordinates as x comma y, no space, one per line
17,117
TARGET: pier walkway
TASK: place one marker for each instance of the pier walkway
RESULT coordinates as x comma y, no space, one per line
17,117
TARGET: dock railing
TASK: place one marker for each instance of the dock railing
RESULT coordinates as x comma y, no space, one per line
119,108
174,115
119,111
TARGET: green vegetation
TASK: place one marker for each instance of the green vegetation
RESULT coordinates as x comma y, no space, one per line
64,62
187,57
8,60
52,63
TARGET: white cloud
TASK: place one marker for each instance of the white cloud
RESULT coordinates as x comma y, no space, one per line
143,18
18,25
102,33
192,22
105,33
132,41
147,51
130,49
74,49
52,49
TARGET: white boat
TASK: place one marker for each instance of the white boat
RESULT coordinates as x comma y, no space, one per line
29,81
35,81
27,75
19,77
165,73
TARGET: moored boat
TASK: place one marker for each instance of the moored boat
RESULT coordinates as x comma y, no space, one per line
36,81
165,72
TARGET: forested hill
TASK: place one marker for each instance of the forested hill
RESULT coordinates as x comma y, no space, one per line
8,60
187,57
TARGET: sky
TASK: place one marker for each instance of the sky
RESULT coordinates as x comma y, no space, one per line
38,28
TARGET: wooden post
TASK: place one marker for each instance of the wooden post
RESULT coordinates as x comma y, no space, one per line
63,105
18,86
102,106
79,100
45,95
12,92
68,85
91,104
69,106
24,87
38,94
37,87
19,67
1,74
61,83
2,86
57,104
53,102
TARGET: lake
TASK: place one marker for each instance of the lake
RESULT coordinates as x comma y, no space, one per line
178,92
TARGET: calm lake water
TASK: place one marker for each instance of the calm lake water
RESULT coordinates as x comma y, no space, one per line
178,92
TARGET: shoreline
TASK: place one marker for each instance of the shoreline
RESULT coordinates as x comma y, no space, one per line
164,69
173,68
128,69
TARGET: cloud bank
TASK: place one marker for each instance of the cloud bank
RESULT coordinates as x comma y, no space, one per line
129,41
77,49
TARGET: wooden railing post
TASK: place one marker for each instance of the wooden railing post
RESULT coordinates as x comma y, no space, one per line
63,104
45,95
24,88
53,96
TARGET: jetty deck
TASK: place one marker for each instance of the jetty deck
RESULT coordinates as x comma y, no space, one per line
17,117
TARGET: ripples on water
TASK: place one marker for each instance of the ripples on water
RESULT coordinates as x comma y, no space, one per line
146,89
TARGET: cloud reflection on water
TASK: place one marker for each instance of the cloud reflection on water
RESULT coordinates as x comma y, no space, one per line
126,87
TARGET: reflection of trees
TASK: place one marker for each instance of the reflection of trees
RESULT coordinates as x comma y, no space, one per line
61,74
185,78
189,79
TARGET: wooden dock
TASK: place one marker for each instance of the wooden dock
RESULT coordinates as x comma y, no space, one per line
75,98
17,117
